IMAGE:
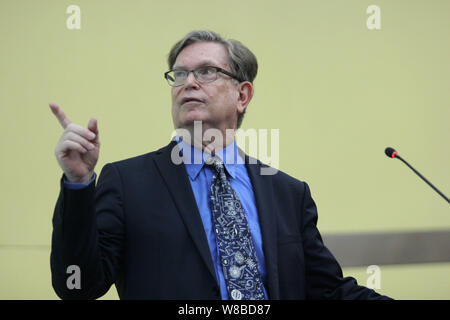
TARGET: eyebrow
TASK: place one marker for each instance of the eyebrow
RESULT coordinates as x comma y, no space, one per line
201,64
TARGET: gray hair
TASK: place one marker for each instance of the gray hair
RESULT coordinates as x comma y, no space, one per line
242,61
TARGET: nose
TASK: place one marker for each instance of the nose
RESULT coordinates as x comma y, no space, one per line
191,82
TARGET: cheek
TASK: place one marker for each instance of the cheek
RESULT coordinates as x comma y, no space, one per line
174,93
228,103
174,107
224,97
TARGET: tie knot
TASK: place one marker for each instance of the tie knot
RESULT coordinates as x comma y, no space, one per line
216,163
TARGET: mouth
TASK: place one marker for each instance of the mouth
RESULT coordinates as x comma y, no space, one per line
191,100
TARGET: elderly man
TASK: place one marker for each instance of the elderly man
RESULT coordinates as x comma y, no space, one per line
214,228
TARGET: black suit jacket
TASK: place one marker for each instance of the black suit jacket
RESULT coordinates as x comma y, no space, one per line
140,228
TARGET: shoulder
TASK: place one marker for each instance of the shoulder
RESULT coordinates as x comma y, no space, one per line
140,161
285,182
277,176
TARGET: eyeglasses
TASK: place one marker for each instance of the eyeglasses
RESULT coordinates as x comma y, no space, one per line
177,77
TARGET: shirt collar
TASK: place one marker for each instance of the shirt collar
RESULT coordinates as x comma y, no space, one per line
194,158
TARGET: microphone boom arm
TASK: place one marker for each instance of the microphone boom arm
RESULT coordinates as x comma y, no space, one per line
423,178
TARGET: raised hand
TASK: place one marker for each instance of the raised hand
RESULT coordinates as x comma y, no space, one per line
78,148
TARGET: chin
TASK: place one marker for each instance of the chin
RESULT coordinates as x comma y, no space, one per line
190,117
188,123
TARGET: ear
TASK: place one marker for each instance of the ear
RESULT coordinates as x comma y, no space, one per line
245,90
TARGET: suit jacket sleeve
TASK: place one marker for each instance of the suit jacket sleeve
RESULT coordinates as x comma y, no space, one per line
88,231
323,273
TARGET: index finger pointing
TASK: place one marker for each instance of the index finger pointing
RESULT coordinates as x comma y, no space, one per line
60,115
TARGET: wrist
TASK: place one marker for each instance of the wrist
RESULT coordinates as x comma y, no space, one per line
84,180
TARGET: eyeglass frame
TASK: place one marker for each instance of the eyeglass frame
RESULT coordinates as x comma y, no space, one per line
218,69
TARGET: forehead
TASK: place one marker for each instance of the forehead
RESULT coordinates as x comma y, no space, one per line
202,53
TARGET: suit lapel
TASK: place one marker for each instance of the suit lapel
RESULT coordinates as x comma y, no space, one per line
176,179
263,190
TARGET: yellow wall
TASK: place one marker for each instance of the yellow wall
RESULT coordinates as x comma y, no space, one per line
338,92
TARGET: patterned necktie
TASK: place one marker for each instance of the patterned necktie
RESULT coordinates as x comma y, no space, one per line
234,240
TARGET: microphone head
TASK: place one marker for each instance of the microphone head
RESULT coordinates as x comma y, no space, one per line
390,152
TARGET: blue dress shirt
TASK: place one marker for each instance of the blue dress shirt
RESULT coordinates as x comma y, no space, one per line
200,178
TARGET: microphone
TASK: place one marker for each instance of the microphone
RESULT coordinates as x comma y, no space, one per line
391,153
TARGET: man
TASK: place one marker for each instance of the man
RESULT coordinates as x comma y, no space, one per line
212,228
